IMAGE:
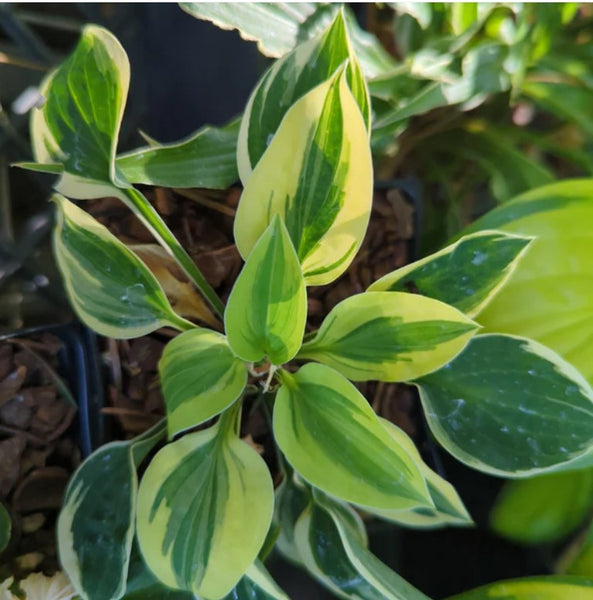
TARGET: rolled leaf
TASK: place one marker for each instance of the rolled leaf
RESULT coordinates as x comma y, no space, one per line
317,175
204,508
267,308
509,406
5,527
200,377
109,287
331,436
466,274
389,336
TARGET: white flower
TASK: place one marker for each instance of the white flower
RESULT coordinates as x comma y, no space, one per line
39,587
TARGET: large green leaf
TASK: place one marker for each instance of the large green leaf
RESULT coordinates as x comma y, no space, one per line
5,527
288,79
466,274
110,288
331,436
389,336
205,159
267,308
550,295
204,508
317,174
96,525
200,377
509,406
543,509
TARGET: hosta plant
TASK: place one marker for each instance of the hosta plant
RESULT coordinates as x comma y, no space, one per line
206,511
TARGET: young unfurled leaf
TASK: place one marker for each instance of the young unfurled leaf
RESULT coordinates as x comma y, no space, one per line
5,527
213,490
110,288
267,308
288,79
466,274
200,377
96,524
317,175
509,406
332,437
389,336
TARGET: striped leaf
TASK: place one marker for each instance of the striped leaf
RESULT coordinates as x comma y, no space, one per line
96,525
533,588
290,78
204,508
267,308
331,436
317,174
466,274
200,377
549,297
5,527
110,288
509,406
389,336
336,555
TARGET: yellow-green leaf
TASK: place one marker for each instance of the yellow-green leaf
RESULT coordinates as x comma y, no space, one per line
389,336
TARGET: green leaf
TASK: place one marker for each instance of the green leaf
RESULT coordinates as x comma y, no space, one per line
466,274
389,336
206,160
331,436
550,295
543,509
110,288
290,78
96,525
509,406
256,584
580,562
267,308
200,377
5,527
328,539
204,507
317,174
533,588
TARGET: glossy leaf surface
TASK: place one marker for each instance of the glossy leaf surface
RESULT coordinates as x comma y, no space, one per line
267,308
5,527
317,175
389,336
466,274
214,490
331,436
110,288
509,406
200,377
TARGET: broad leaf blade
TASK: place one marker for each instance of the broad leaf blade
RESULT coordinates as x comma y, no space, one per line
466,274
389,336
267,308
317,175
331,436
200,377
509,406
110,288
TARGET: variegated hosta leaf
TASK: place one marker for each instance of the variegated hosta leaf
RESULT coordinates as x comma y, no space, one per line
331,436
389,336
466,274
288,79
550,295
200,377
204,507
533,588
96,525
509,406
79,123
336,555
267,308
110,288
256,584
5,527
543,509
317,174
448,507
